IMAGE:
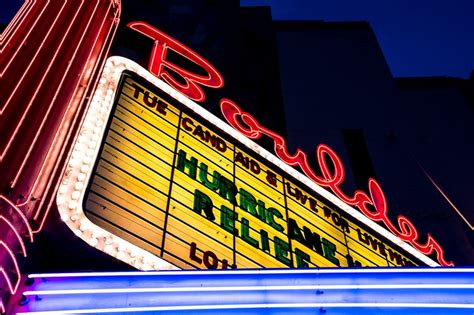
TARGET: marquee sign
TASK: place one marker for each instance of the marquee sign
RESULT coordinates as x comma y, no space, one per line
372,204
158,182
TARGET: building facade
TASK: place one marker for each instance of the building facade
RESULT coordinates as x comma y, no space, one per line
312,82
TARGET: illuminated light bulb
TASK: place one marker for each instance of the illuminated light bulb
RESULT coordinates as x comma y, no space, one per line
72,205
93,242
97,130
116,80
62,189
141,72
81,139
73,162
99,123
81,177
122,247
78,186
146,267
120,69
95,104
109,249
84,168
95,137
148,260
110,91
97,233
87,160
76,154
89,152
78,233
80,147
60,200
84,225
91,114
75,195
92,111
121,255
88,125
91,121
64,217
74,217
102,81
91,118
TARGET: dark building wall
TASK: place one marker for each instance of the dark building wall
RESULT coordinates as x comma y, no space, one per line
434,135
259,80
334,77
338,90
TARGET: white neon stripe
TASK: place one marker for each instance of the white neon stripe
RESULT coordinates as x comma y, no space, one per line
5,272
20,214
46,115
258,306
254,288
24,75
252,272
22,44
18,237
12,26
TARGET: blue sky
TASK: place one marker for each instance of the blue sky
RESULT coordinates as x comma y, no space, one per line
418,37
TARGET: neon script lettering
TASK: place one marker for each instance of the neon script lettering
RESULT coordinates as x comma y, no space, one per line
164,69
373,205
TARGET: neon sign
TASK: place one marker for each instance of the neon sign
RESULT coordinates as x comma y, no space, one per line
373,205
159,63
333,179
177,186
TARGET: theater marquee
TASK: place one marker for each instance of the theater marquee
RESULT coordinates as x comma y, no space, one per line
158,182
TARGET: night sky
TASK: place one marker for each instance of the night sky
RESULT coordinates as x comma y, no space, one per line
418,37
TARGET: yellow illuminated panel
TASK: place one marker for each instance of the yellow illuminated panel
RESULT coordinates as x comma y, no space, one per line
178,187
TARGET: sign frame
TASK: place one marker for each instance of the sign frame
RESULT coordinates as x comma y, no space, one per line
86,149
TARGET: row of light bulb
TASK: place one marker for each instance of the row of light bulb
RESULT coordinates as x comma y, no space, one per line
80,165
